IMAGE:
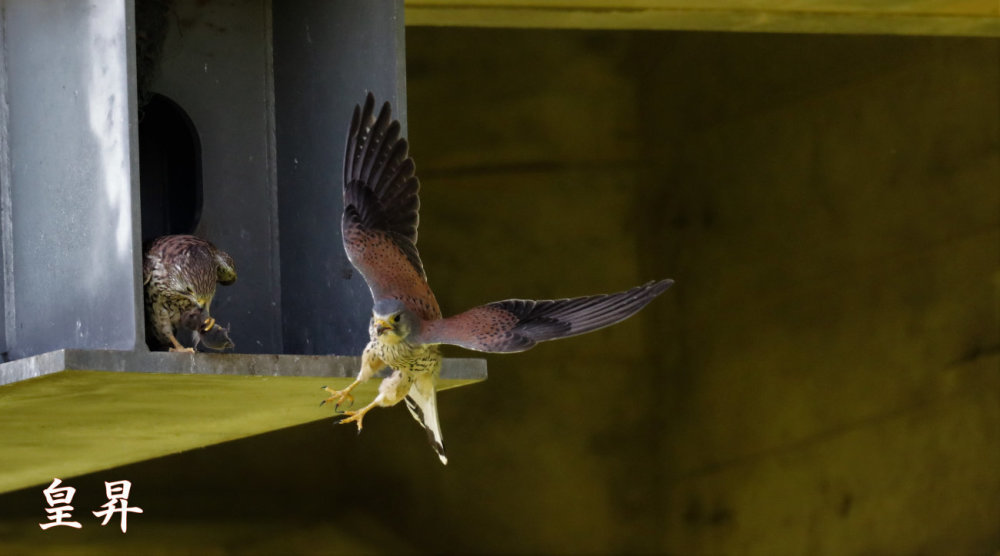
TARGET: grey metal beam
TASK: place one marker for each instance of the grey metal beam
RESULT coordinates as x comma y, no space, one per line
327,55
69,187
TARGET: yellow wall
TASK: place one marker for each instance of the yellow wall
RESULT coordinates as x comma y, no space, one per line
824,375
900,17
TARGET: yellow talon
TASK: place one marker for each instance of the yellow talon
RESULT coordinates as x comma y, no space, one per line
208,324
357,416
177,345
353,417
338,397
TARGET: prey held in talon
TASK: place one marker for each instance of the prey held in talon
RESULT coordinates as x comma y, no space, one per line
379,226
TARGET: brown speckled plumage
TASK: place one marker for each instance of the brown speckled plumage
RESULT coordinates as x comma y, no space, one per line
180,274
379,225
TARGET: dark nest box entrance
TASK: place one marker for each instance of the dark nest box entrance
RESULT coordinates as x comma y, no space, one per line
169,147
169,169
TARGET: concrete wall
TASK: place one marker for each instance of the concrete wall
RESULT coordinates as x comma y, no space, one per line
834,211
823,378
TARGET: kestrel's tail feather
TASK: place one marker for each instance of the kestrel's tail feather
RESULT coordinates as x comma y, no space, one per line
422,403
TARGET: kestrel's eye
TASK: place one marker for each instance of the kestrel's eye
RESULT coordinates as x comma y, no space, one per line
395,318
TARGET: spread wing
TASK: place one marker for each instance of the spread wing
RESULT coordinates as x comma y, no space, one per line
380,210
518,324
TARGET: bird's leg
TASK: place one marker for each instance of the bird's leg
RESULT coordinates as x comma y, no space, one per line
340,396
392,390
370,364
177,345
357,416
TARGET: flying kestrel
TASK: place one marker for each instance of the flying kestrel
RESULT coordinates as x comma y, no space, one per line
380,235
180,273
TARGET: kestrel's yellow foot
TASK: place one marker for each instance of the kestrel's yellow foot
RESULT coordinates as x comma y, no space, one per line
356,416
177,347
338,396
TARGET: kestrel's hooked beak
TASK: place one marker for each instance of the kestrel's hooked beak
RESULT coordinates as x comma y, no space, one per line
201,301
382,326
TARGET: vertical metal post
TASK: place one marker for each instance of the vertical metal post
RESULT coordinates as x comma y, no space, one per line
327,55
69,197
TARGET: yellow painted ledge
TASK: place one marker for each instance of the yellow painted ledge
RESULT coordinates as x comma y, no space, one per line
914,17
69,422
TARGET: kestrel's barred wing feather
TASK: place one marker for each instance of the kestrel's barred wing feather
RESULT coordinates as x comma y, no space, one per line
380,210
518,324
376,160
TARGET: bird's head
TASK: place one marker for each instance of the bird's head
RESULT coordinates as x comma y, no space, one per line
393,321
194,293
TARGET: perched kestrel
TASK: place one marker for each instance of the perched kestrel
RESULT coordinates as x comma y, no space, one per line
380,235
180,273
